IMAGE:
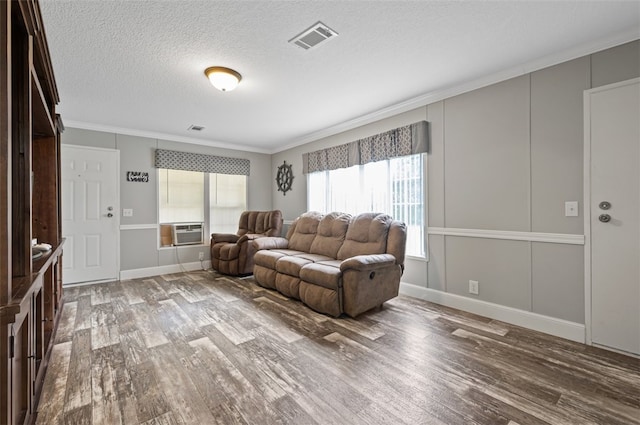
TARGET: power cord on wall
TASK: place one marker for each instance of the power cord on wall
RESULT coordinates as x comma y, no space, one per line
179,261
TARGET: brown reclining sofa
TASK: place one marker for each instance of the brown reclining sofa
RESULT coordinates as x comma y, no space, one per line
232,254
335,263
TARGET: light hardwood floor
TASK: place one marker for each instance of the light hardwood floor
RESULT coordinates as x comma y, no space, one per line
201,348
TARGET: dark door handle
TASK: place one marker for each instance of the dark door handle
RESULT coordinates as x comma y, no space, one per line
605,218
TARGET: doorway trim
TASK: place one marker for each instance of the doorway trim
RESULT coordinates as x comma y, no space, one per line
587,200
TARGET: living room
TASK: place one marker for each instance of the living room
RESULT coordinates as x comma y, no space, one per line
541,110
506,154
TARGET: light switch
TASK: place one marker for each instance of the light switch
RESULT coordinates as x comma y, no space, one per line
127,212
571,209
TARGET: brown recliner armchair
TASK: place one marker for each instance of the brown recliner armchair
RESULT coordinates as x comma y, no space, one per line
233,254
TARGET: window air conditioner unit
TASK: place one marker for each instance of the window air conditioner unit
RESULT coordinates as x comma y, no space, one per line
187,233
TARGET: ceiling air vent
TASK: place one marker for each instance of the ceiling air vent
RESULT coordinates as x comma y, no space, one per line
195,128
313,36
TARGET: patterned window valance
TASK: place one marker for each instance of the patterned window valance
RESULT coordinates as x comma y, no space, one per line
408,140
188,161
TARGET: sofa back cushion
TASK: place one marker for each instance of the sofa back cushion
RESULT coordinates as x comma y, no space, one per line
332,230
268,223
303,231
397,241
367,234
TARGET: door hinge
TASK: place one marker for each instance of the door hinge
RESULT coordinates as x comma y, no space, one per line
11,346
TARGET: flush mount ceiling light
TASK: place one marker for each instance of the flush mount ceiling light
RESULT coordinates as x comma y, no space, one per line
224,79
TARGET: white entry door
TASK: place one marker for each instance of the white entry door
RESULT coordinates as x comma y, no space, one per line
612,143
90,219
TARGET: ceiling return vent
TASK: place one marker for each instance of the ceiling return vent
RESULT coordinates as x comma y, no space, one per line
312,37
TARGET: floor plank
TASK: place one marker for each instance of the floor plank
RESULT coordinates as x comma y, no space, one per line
51,404
199,347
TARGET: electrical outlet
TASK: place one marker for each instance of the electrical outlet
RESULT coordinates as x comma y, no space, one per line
474,287
201,256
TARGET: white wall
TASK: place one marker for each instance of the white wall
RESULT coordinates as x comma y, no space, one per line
139,246
504,158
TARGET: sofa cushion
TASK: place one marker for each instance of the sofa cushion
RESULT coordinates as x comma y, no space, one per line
331,233
367,234
267,258
397,241
291,265
326,274
265,276
315,258
288,251
288,285
321,299
226,251
303,231
265,223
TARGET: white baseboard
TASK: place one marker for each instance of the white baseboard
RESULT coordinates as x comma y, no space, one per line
171,268
538,322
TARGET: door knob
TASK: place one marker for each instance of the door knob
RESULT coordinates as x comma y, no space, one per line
604,205
111,215
605,218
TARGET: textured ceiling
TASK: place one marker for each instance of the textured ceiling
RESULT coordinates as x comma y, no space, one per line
137,66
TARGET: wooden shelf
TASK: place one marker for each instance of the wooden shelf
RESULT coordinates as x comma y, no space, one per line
41,264
26,286
30,289
42,121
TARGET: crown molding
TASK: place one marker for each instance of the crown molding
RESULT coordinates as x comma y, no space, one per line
395,109
464,87
164,136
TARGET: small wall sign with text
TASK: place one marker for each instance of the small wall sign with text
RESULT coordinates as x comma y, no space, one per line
137,176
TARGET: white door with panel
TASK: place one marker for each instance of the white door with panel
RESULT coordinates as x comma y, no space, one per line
612,153
90,219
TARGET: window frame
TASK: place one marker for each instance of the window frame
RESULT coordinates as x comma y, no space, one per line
425,198
206,207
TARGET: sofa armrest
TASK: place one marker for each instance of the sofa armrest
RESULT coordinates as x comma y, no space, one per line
249,237
270,242
367,262
224,237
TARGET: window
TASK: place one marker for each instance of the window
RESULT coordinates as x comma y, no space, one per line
193,196
394,186
181,196
227,200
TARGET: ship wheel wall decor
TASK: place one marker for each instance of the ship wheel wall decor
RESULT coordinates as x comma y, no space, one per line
284,178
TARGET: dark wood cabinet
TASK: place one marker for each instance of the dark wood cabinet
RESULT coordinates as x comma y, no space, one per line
30,289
